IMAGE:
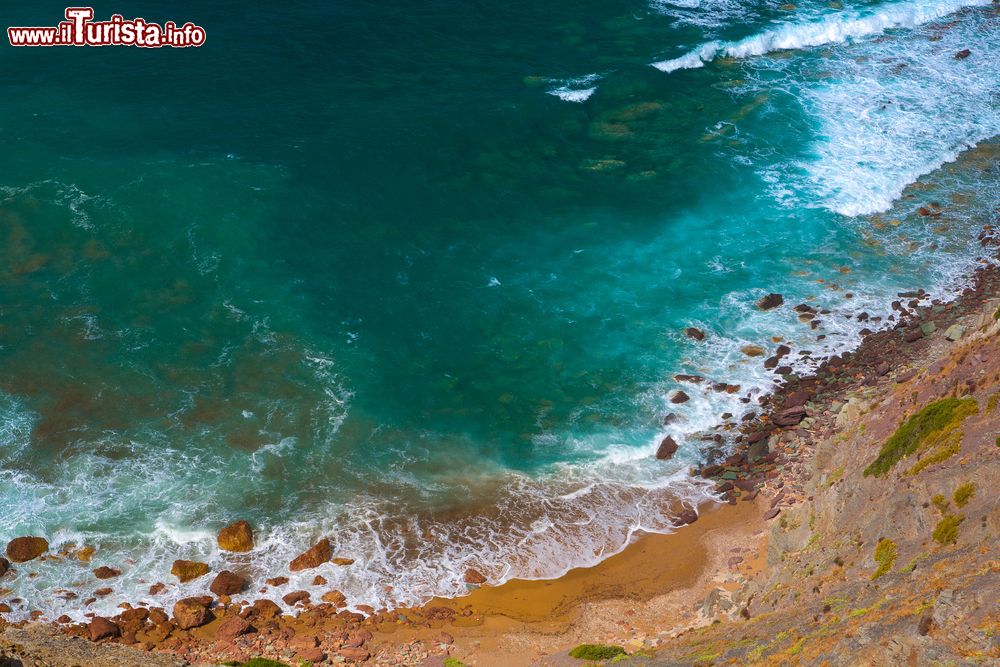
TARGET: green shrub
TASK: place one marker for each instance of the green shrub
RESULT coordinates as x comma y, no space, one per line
940,502
964,493
885,556
453,662
932,425
946,532
596,652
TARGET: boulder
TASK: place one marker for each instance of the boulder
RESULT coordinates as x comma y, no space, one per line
696,334
265,610
4,566
359,654
318,554
342,561
23,549
277,581
963,54
236,537
295,597
770,301
679,397
473,577
105,572
311,655
188,570
157,588
687,516
102,628
757,451
667,448
233,626
789,416
954,332
132,620
228,583
752,350
336,598
191,613
157,616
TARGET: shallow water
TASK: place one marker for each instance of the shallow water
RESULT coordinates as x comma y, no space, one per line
415,277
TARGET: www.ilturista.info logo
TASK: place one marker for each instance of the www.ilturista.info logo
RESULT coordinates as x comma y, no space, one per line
79,29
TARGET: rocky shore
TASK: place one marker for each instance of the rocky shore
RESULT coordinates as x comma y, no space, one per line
886,564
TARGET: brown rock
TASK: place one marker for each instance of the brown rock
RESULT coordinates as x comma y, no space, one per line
188,570
318,554
679,397
236,537
85,554
5,608
228,583
752,350
313,655
445,638
105,572
191,613
667,448
157,616
359,654
233,626
343,561
4,566
924,626
295,597
771,513
474,577
157,588
695,333
336,598
318,581
789,416
277,581
132,620
23,549
265,610
101,592
102,628
687,516
963,54
770,301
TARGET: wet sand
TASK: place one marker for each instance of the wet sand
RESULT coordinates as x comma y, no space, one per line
523,621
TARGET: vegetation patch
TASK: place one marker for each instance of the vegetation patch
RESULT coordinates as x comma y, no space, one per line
964,493
453,662
596,652
885,557
254,662
939,502
934,427
946,532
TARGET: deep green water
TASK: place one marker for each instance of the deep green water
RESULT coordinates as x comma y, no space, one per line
357,270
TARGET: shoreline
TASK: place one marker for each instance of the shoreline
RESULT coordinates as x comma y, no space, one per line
665,575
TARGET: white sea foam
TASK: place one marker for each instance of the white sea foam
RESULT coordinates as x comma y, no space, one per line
833,29
574,90
887,112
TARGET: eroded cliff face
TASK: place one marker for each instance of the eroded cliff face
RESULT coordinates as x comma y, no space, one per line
891,555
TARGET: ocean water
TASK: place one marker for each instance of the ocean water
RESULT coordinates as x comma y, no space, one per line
414,276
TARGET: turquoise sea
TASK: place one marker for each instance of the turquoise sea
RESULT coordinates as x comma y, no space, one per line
414,276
